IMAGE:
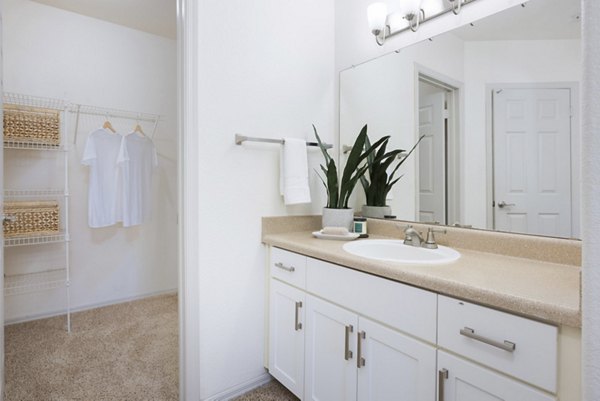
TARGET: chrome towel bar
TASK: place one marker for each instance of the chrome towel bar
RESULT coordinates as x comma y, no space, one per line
239,139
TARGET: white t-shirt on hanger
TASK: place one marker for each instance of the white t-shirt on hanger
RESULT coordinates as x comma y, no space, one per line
101,152
138,160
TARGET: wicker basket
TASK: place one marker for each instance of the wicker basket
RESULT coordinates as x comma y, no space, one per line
31,218
31,125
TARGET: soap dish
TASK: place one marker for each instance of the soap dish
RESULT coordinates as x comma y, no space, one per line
337,237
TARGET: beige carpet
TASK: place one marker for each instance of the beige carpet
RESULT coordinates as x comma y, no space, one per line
273,391
120,352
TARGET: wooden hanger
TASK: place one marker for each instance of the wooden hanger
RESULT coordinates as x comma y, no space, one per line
138,129
107,125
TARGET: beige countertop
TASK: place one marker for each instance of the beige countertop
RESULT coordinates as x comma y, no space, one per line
538,289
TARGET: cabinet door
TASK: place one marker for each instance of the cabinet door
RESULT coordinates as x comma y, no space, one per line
330,373
396,367
286,336
465,381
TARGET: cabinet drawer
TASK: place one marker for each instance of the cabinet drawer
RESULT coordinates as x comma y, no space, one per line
520,347
289,267
403,307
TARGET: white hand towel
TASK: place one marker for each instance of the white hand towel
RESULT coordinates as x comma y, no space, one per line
293,172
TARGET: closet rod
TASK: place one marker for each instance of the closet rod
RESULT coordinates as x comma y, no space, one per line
239,139
80,109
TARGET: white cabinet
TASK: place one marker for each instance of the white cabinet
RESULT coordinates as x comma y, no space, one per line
350,357
286,336
396,367
337,334
288,267
330,372
408,309
460,380
520,347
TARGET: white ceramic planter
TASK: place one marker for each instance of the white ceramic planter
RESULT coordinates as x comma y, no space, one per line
376,212
338,218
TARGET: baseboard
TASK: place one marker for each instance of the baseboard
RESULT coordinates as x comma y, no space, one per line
241,388
82,308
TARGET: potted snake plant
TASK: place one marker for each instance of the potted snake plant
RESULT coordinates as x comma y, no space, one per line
337,213
379,182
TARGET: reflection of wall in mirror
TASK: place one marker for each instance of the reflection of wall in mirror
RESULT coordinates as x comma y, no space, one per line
381,93
509,62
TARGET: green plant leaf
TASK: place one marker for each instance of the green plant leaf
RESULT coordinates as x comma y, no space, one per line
332,185
380,182
322,146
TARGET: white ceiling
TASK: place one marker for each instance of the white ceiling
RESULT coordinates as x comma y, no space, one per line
537,20
154,16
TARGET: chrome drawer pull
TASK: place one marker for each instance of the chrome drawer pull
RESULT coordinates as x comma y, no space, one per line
290,269
506,345
297,324
347,352
442,375
360,361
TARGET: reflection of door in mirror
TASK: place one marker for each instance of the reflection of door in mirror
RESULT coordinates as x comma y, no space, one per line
432,155
532,161
437,115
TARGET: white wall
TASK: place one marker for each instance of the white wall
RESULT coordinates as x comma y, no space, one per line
539,61
54,53
266,68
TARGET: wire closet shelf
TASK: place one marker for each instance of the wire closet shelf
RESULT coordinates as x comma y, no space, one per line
108,113
51,121
34,282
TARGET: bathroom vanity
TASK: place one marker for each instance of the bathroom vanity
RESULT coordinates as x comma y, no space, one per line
501,322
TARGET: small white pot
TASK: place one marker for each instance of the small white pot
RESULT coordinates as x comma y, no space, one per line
338,218
376,212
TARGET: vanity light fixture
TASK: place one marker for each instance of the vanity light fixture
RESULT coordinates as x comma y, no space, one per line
384,25
377,15
413,13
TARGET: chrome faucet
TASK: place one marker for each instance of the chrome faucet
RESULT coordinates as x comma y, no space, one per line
412,237
430,242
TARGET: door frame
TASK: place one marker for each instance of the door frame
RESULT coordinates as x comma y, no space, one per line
575,147
188,195
455,132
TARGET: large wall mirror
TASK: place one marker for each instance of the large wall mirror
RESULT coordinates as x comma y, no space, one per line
497,102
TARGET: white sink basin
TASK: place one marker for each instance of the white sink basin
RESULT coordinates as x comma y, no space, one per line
396,251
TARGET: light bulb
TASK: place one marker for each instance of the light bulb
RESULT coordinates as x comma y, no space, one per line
377,14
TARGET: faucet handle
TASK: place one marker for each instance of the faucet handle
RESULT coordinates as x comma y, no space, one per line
430,242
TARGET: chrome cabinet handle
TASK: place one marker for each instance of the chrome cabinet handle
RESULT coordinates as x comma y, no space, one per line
506,345
347,352
360,361
297,324
503,204
442,375
290,269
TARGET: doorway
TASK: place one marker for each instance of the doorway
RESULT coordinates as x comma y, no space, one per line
438,195
80,64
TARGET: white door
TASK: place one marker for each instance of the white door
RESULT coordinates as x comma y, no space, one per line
464,381
286,336
396,367
330,373
532,161
432,158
